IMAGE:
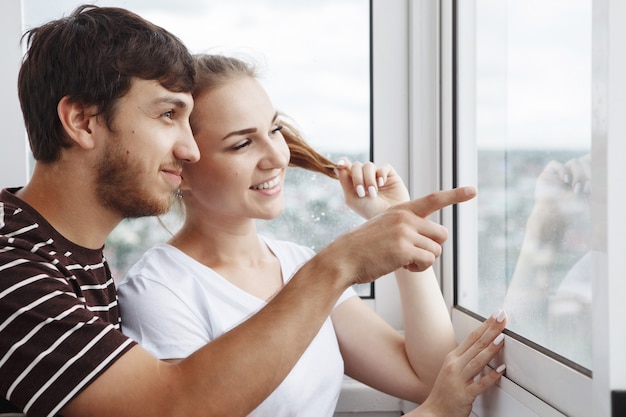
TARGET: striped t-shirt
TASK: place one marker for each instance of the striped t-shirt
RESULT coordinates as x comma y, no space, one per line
59,318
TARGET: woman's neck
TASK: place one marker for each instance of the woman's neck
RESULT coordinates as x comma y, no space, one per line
240,256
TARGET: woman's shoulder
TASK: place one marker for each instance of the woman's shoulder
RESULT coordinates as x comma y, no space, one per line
158,261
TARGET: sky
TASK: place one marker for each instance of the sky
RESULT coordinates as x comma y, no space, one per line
532,79
533,73
313,55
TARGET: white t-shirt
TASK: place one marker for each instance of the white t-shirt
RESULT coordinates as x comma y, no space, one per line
173,305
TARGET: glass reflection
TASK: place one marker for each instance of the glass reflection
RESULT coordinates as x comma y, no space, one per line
526,87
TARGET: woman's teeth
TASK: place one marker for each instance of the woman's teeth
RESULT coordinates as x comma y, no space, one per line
266,185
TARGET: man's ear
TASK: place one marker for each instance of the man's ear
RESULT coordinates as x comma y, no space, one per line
77,120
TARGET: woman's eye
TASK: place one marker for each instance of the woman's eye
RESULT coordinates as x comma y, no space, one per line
242,145
277,129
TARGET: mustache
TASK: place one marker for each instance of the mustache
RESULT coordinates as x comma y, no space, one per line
175,165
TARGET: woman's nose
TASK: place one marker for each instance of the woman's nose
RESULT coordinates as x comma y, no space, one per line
276,153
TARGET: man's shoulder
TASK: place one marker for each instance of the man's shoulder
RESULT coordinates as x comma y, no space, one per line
17,219
21,239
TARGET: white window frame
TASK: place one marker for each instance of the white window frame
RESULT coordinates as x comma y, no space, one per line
389,116
405,81
535,384
405,78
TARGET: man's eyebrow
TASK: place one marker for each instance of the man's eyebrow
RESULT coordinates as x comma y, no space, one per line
176,102
247,131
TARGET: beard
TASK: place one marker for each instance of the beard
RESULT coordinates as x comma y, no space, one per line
121,185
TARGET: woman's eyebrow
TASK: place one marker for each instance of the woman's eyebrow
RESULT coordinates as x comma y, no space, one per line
240,132
247,131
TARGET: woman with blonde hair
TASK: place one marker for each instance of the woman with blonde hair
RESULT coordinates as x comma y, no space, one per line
217,271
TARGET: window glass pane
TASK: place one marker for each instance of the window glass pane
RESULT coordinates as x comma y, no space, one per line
314,61
524,112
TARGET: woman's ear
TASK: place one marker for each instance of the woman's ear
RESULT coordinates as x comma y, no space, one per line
76,119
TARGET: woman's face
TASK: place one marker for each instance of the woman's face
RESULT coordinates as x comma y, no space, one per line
243,155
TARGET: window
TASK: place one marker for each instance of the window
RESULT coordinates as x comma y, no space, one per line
520,108
314,60
524,105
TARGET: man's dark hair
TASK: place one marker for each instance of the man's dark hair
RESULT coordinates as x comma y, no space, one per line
91,57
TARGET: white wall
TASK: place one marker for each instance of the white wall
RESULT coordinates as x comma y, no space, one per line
13,167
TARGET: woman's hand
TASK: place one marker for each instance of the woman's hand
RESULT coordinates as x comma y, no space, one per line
369,190
461,380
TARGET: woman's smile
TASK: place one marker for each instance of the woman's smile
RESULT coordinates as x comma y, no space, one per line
267,185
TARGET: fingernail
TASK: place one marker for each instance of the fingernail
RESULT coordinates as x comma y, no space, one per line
501,368
372,191
381,181
470,191
360,191
340,163
498,339
499,315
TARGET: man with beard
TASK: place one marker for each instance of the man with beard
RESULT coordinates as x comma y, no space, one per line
106,102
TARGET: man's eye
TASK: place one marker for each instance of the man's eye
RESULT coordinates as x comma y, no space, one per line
169,114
